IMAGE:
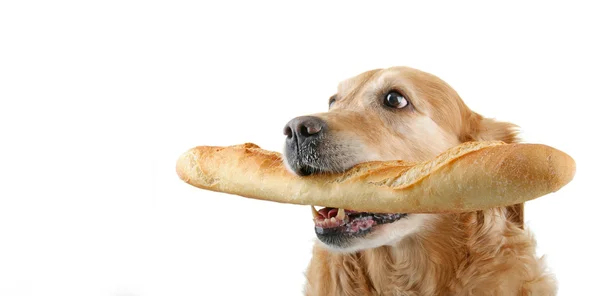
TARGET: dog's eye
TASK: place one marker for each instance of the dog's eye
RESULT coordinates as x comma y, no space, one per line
395,100
331,102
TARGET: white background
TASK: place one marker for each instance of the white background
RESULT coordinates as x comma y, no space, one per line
99,98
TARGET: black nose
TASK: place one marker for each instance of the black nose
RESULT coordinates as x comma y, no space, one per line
302,128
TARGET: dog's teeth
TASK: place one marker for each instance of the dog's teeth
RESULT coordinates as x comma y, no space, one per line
341,214
332,219
314,212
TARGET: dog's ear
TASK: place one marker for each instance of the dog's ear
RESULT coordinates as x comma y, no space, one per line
479,128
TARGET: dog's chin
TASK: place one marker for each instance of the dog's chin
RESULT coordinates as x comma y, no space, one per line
354,230
384,234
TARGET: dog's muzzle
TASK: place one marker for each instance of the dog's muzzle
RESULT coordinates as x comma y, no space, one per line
303,134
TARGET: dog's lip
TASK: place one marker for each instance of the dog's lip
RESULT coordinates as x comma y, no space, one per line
340,221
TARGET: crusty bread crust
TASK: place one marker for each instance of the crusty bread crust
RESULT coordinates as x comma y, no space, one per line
468,177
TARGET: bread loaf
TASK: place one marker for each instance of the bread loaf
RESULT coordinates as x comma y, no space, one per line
471,176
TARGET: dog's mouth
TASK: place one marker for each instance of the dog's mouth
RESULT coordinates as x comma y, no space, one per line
336,222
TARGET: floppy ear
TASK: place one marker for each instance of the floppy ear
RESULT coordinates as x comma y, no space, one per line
480,128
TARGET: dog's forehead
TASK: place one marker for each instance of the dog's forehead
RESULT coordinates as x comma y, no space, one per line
352,85
373,80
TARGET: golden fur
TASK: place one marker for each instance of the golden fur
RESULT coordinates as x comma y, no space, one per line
465,254
479,253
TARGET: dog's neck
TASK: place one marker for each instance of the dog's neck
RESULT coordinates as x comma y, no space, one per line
431,262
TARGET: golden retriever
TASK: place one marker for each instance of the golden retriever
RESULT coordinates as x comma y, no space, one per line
404,113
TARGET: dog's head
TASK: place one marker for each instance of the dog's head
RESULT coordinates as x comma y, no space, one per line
384,114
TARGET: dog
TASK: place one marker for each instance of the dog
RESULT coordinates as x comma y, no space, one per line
407,114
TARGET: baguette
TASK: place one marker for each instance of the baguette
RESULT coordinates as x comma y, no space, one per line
471,176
